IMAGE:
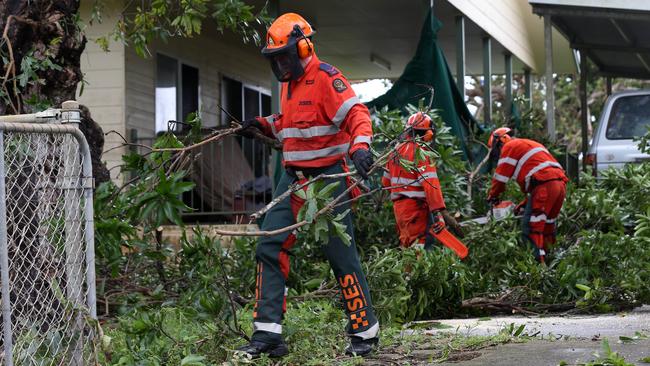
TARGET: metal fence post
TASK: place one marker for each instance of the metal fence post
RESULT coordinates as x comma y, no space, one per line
4,264
72,193
89,229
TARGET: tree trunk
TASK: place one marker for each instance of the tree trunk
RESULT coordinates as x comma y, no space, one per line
42,44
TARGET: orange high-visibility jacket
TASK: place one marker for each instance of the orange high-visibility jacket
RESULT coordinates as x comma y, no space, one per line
526,161
322,119
423,184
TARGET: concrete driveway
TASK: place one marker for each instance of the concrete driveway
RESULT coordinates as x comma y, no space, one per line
572,339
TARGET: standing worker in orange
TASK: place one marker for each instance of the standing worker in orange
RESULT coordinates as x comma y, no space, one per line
416,193
539,176
322,122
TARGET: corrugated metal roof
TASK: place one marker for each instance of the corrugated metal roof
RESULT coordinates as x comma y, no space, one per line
613,34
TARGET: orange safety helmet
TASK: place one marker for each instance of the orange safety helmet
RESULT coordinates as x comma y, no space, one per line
421,122
287,42
503,135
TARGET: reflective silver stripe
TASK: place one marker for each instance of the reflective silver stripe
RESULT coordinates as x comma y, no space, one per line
315,154
538,218
542,252
430,175
306,133
539,167
268,327
525,158
387,175
369,333
343,110
407,194
510,161
405,181
550,221
362,139
501,178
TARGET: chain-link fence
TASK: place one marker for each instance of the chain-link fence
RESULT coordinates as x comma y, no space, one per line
46,241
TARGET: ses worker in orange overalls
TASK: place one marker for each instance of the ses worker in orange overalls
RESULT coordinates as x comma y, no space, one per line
322,122
539,176
416,193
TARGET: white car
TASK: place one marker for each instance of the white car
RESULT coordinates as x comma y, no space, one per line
625,117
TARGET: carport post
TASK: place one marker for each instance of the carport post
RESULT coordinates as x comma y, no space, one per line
550,93
528,92
274,11
460,54
583,106
507,58
609,85
487,78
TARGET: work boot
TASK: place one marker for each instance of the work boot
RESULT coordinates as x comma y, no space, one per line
256,348
361,347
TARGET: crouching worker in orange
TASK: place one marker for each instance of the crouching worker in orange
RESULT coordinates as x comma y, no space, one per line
539,176
416,193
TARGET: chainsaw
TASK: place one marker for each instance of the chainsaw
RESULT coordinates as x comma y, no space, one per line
450,241
498,212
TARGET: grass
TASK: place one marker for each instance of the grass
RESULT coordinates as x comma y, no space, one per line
313,330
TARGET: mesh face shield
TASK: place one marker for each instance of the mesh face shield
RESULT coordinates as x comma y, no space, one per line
285,61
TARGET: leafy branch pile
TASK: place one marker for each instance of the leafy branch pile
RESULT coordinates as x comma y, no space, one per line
193,306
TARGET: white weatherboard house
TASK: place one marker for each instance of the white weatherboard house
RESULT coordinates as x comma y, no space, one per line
365,39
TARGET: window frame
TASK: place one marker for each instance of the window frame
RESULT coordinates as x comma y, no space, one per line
259,89
179,88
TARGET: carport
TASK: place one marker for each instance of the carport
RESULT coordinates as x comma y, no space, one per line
611,33
377,38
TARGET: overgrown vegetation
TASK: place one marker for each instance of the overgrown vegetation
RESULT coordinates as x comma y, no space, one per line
193,306
141,23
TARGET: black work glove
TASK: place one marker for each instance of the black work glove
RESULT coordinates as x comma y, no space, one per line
493,201
248,128
362,160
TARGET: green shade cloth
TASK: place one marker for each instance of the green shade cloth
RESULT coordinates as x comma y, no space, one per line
429,68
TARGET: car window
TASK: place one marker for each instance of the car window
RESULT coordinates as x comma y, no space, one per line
630,117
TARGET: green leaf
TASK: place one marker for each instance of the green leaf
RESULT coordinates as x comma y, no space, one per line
301,194
519,330
311,211
327,191
340,231
583,287
193,360
625,339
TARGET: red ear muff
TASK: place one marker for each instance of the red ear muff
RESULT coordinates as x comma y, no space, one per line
305,48
428,136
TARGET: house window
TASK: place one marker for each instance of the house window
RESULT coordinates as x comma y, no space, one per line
243,101
177,92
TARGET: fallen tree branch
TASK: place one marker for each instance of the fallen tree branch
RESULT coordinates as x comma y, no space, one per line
472,175
275,144
294,188
215,136
297,225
